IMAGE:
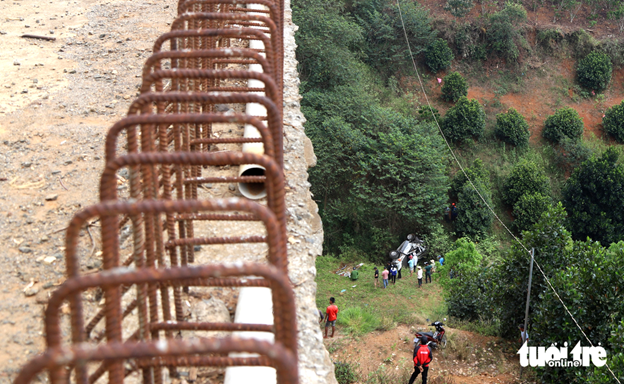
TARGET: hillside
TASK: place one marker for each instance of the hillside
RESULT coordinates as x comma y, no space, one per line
529,96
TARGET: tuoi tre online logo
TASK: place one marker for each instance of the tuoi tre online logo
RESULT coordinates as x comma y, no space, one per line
559,357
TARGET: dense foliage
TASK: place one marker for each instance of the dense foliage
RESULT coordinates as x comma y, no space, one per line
594,71
512,128
566,122
591,286
382,171
528,210
474,218
438,55
503,34
462,290
525,178
454,87
345,373
466,119
613,122
586,275
593,197
379,172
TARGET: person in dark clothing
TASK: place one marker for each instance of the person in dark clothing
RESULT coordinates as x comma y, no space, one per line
393,274
428,268
454,212
376,277
422,358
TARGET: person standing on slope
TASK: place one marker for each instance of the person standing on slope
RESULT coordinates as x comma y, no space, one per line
422,358
393,273
428,268
376,277
384,276
419,274
331,314
410,264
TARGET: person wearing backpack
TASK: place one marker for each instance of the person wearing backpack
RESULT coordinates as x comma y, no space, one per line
422,358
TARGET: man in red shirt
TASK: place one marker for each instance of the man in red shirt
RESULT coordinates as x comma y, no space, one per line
422,358
331,314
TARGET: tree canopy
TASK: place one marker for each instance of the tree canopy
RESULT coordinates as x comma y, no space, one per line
594,196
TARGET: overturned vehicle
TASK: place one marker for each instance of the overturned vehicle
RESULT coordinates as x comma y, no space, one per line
413,246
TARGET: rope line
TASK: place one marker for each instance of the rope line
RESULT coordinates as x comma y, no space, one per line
479,193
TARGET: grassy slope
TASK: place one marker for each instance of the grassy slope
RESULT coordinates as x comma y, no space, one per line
383,355
401,303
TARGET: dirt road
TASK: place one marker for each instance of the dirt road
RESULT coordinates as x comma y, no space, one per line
57,100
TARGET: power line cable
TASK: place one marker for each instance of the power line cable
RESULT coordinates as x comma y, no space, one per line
479,193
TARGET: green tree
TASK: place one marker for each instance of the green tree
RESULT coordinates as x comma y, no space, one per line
465,119
474,218
454,87
591,285
594,71
384,49
459,276
327,44
438,55
613,122
512,128
400,174
525,178
503,32
510,279
566,122
594,196
528,210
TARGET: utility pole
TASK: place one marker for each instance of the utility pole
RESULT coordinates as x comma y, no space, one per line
528,299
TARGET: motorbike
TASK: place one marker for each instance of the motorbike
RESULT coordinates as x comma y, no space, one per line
435,339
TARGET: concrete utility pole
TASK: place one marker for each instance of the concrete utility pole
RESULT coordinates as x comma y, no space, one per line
526,311
528,299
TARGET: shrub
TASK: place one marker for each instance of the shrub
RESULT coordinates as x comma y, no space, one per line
594,71
459,8
503,31
345,373
528,210
550,38
570,154
455,86
512,128
438,55
613,122
425,113
475,172
525,178
465,119
358,321
461,277
566,122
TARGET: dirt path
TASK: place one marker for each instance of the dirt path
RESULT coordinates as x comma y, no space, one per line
468,358
57,100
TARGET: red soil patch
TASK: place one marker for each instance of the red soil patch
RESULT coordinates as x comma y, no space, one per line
539,98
